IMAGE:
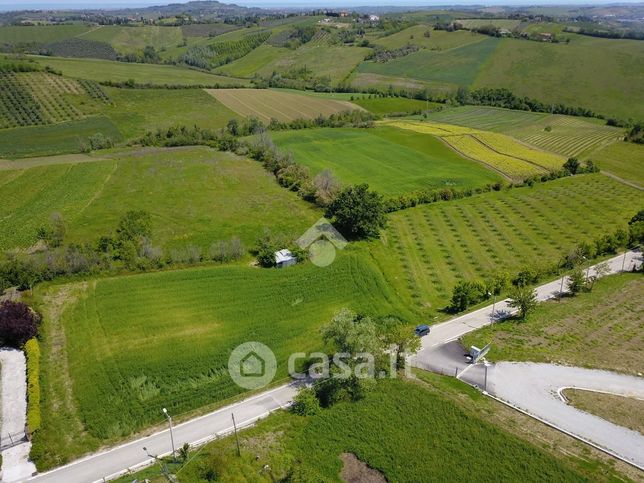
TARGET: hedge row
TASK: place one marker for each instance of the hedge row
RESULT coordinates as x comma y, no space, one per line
32,352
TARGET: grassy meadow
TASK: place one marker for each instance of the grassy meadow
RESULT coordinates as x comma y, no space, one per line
392,161
105,70
438,39
458,66
622,159
265,104
127,39
426,250
607,320
195,196
136,111
383,106
122,332
14,34
600,74
60,138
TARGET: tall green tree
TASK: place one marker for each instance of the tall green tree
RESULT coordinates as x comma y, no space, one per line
358,212
524,299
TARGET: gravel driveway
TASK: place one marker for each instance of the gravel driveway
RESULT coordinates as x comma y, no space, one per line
15,462
535,388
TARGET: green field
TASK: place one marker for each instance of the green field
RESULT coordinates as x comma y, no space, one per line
121,333
503,23
132,39
622,159
392,161
600,74
195,195
393,105
40,33
458,66
104,70
428,249
66,137
438,39
566,135
136,111
608,320
283,105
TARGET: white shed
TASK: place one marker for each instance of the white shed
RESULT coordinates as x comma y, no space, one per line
284,258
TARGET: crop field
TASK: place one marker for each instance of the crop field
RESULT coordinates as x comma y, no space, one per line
428,249
504,23
497,151
582,72
392,161
457,66
319,60
33,98
393,105
271,104
622,159
136,111
254,62
122,332
128,39
195,196
13,34
212,55
609,319
64,137
565,135
103,70
438,39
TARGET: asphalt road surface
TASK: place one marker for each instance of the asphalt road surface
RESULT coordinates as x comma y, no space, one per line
535,389
131,455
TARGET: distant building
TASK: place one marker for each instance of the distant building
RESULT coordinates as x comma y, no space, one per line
504,32
545,36
284,258
374,18
344,13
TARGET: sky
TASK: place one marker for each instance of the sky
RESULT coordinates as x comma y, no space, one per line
57,4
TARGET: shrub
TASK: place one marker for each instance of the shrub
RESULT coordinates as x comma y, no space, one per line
18,323
32,352
358,212
306,403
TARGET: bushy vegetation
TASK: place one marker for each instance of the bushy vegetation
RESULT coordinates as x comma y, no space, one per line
32,353
81,48
18,323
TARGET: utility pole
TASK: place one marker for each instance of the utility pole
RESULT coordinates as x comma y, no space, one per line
624,260
174,457
563,277
236,436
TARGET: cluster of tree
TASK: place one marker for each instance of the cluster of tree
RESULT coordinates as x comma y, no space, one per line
130,247
18,324
79,48
469,293
95,142
383,55
133,84
636,134
608,34
269,243
367,345
501,97
148,55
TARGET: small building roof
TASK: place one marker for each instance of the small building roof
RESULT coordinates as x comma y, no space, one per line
283,256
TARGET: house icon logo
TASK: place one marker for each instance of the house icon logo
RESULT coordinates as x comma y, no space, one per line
252,365
322,240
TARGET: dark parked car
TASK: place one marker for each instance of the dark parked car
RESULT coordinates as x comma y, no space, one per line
422,330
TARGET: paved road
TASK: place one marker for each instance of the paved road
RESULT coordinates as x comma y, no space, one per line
15,459
130,455
535,388
459,326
